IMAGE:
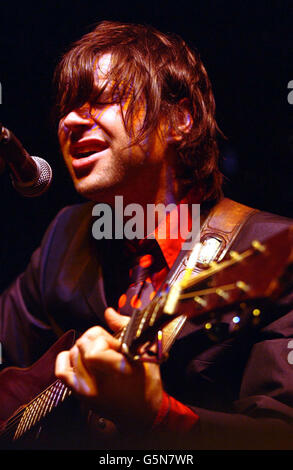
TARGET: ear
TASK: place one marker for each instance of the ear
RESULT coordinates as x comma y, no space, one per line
185,122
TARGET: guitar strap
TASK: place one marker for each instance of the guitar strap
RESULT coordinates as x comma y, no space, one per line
217,234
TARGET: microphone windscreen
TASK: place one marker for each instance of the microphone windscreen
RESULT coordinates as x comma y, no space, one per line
40,184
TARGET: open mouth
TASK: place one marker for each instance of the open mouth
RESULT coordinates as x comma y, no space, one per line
85,154
86,150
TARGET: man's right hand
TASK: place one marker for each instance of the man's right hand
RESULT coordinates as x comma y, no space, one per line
127,393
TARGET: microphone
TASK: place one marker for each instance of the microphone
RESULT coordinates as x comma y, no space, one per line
31,176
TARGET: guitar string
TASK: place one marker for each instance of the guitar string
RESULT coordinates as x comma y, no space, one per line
47,403
28,416
56,395
52,400
211,290
218,267
17,417
30,412
53,397
24,425
40,411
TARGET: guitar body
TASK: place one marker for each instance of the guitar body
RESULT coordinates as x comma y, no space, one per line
19,386
69,426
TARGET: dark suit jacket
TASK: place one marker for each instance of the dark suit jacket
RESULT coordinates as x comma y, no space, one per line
241,388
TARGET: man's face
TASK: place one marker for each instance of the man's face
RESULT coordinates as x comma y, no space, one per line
95,146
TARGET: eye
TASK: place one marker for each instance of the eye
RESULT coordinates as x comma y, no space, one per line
101,104
104,99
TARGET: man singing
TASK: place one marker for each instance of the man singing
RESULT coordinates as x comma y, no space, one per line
136,119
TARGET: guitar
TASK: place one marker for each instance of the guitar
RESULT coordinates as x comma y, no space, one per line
258,276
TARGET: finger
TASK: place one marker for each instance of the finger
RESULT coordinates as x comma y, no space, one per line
74,357
100,359
115,321
84,383
103,360
98,336
70,369
63,368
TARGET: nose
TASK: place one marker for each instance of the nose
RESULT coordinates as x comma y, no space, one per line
77,119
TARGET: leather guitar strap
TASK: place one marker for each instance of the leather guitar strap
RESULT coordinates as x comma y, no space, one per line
217,234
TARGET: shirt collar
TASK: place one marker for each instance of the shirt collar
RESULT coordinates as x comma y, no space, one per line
169,236
171,244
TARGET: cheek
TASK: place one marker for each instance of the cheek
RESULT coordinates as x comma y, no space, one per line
63,137
113,122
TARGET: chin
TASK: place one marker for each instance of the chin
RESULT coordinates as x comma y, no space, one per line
88,192
101,193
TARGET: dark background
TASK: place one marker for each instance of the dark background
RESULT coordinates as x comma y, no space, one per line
247,48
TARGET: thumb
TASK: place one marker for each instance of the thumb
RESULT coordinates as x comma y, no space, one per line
114,320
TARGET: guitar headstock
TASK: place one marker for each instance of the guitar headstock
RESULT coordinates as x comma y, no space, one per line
263,271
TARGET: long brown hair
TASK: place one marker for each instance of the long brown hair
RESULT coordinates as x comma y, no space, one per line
161,70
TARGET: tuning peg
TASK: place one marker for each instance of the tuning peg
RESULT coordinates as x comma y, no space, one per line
256,316
235,255
223,294
199,300
208,326
242,286
210,329
216,331
258,246
256,312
